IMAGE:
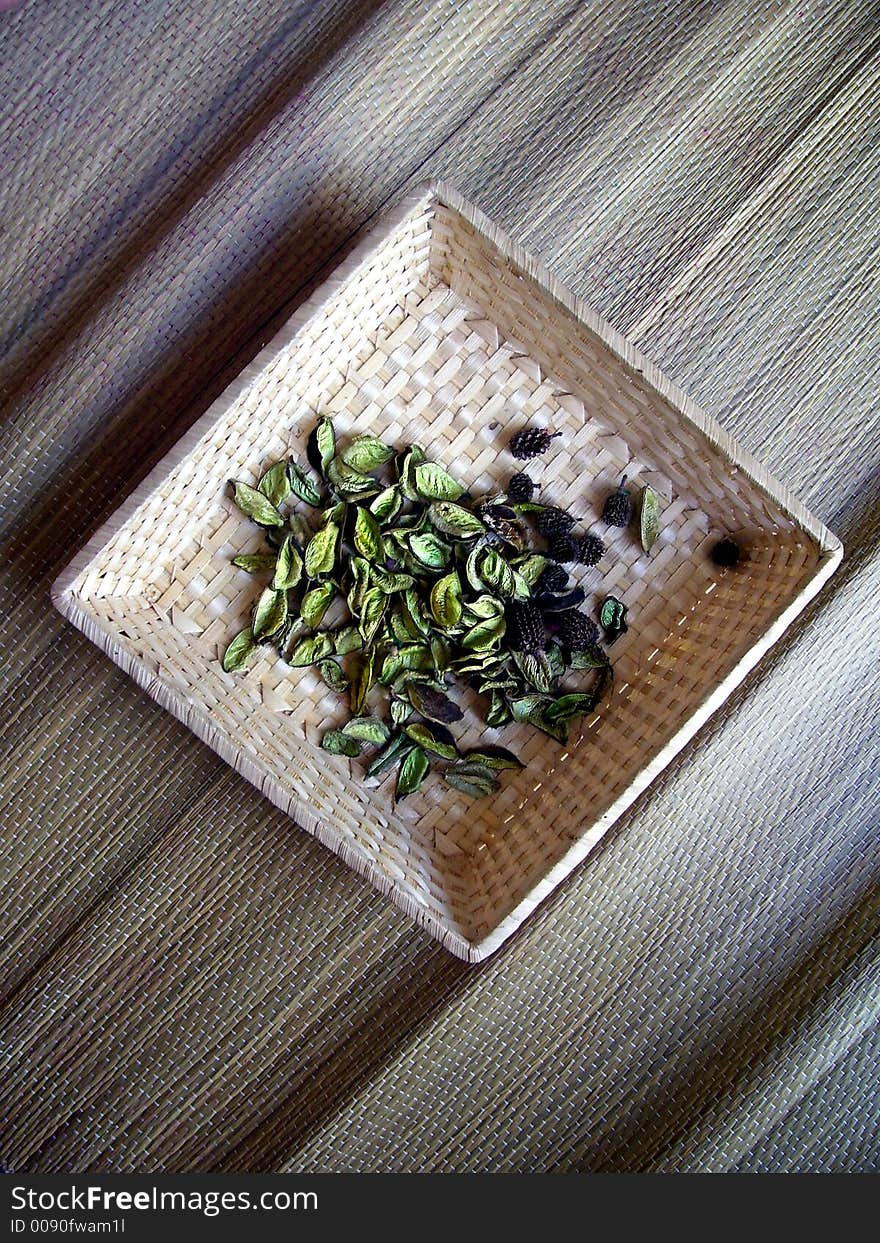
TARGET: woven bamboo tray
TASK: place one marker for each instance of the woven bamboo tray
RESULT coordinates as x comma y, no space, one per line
439,329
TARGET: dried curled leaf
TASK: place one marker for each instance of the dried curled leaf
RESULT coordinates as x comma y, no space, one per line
455,520
338,743
270,614
649,521
367,537
321,446
254,562
367,729
413,771
612,618
321,551
433,738
433,704
310,651
301,485
288,566
275,485
433,483
366,454
446,600
315,603
239,651
256,505
333,675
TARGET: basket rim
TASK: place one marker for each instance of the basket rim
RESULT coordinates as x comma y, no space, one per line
366,241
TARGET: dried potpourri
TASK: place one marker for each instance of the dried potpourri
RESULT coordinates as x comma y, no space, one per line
398,585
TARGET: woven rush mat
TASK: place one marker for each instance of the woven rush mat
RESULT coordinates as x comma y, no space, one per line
187,981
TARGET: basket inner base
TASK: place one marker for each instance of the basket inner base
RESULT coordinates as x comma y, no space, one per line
438,373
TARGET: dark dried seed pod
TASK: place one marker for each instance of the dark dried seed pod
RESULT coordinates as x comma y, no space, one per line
531,442
591,550
576,631
563,548
726,553
521,488
553,521
553,578
524,627
618,508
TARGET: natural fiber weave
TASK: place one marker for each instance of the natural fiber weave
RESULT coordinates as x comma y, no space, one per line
189,982
438,330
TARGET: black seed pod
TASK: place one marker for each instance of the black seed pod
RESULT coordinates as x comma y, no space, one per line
726,553
553,578
531,442
591,550
577,632
553,521
525,626
562,548
521,488
618,508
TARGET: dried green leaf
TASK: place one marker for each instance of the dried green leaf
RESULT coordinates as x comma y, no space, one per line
485,608
493,757
315,603
430,550
407,464
480,638
440,654
415,613
535,671
333,675
270,614
367,729
239,651
401,628
472,568
320,555
367,539
389,583
499,713
413,772
594,658
455,520
433,704
348,639
396,749
531,710
275,485
470,781
338,743
301,485
299,529
413,658
362,679
255,505
401,710
566,707
531,567
311,651
254,562
360,572
366,454
446,600
372,611
497,574
650,518
612,618
433,483
288,565
321,446
349,484
434,738
387,504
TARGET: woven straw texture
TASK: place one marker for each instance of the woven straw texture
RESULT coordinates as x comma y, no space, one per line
189,982
404,340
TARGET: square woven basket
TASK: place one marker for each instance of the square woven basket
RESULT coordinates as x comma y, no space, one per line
438,329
